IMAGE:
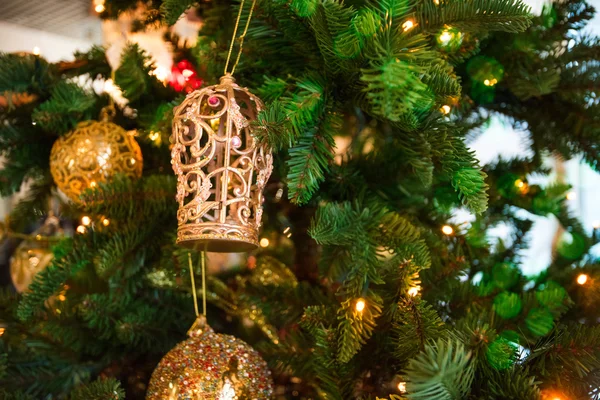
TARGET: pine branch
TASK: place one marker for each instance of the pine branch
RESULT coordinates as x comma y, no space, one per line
133,75
23,73
102,389
173,9
444,371
310,158
68,105
492,15
416,323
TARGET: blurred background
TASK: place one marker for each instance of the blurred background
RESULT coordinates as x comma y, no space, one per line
56,29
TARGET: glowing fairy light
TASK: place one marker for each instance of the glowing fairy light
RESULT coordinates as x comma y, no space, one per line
85,220
36,51
571,196
413,291
408,25
81,229
445,37
447,230
264,242
105,222
402,387
360,305
582,279
445,109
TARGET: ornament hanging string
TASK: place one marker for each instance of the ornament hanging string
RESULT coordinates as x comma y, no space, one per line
203,267
237,22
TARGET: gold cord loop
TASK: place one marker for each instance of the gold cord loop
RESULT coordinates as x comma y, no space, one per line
237,22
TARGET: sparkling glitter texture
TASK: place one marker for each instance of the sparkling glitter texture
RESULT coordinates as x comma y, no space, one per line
93,153
210,366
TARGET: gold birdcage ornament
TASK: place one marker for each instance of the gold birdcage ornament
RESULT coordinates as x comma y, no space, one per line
221,168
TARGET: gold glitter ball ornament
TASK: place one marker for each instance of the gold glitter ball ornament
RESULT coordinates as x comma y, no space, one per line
210,366
93,152
221,168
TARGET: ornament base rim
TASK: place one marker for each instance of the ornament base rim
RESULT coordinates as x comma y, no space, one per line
213,244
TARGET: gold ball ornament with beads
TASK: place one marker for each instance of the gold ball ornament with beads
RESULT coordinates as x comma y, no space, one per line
210,366
92,153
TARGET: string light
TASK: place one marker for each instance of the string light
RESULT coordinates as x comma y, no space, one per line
582,279
2,330
288,232
408,25
445,109
571,195
85,220
490,82
93,184
360,305
264,242
81,229
445,37
99,6
154,136
447,230
402,387
413,291
105,222
36,51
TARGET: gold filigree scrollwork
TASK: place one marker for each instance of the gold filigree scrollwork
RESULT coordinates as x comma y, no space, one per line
93,153
221,169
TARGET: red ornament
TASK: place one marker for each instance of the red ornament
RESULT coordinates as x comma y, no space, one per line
184,77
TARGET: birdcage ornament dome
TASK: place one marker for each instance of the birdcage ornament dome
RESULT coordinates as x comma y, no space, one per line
221,168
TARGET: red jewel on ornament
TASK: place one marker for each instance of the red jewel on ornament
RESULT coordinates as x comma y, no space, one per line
214,101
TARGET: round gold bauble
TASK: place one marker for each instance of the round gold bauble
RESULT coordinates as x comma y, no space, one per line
93,153
210,366
34,254
26,262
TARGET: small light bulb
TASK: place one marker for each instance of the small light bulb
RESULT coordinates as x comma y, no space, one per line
571,195
105,222
154,136
264,242
132,160
487,82
2,330
402,387
408,25
93,184
99,8
413,291
582,279
445,109
360,305
447,230
81,229
445,37
519,183
62,297
85,220
36,51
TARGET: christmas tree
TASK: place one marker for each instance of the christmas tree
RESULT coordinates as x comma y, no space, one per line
361,286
